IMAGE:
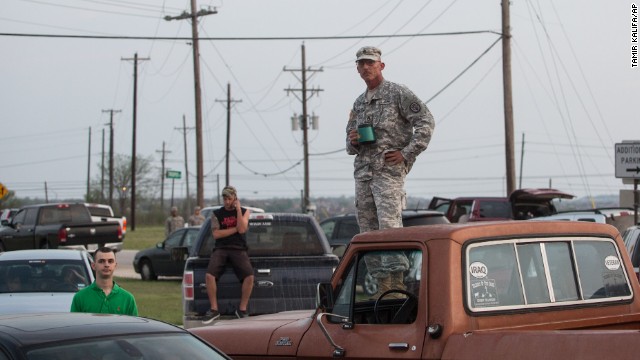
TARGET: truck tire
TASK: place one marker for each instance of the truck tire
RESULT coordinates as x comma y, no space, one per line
146,271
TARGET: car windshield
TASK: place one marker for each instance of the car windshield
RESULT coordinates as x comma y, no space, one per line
43,276
151,346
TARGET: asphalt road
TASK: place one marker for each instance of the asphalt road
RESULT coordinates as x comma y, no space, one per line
125,264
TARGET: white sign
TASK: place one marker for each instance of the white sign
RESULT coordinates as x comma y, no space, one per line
628,160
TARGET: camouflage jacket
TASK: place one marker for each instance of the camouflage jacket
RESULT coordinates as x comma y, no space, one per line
401,121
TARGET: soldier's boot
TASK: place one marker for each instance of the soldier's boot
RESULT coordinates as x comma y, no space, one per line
397,283
384,284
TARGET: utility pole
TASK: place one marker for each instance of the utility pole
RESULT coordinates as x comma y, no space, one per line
133,142
198,104
163,151
184,129
102,171
508,100
521,162
111,111
89,167
228,101
305,122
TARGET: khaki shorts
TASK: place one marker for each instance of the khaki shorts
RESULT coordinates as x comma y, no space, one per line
239,260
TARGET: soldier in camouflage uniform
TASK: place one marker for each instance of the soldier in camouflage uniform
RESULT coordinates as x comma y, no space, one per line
389,126
173,222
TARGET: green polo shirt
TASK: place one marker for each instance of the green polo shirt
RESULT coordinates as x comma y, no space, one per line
93,300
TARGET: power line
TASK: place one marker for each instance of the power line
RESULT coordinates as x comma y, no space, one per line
265,38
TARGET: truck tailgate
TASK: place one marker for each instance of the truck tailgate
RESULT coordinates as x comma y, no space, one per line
90,233
281,284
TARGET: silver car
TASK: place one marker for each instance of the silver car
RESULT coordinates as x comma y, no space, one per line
38,280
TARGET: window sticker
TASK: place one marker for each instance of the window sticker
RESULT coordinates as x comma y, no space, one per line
478,270
612,263
484,293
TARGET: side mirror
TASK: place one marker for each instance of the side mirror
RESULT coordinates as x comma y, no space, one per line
160,245
324,297
4,222
179,253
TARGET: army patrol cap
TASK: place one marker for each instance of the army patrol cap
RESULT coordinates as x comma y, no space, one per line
368,53
229,191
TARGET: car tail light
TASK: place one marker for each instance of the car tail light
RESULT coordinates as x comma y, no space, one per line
187,285
62,235
124,225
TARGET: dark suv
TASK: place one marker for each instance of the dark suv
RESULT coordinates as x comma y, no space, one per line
340,229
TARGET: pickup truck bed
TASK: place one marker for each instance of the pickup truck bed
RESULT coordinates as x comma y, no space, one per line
482,290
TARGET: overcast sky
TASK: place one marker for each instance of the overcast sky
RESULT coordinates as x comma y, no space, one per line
575,92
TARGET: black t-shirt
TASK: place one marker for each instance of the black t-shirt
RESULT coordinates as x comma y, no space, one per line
228,219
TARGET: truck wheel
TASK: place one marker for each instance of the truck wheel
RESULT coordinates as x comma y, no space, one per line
146,271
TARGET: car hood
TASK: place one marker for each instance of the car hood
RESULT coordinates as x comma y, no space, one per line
20,303
521,195
273,334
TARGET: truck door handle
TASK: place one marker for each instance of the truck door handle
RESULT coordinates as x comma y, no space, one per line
264,272
398,346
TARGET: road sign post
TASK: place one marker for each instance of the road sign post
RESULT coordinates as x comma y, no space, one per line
628,167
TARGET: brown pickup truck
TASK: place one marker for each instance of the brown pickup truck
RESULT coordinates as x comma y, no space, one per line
483,290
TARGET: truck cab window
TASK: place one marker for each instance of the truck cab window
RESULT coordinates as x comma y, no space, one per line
515,274
386,297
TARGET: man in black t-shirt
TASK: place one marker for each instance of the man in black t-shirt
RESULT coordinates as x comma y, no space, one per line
229,225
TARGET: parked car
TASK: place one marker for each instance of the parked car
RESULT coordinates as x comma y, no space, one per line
631,238
289,254
104,213
38,280
520,205
340,229
75,336
156,261
53,225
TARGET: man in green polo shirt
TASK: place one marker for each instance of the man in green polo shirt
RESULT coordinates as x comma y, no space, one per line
104,296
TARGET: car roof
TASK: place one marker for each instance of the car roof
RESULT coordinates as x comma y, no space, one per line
471,231
45,254
31,329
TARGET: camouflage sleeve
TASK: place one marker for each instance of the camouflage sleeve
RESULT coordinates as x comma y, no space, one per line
416,112
351,124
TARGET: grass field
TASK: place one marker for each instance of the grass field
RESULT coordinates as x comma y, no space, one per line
143,237
160,299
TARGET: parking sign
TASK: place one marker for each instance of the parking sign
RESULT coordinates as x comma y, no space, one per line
628,160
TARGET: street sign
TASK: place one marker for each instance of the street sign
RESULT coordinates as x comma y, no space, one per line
628,160
173,174
3,191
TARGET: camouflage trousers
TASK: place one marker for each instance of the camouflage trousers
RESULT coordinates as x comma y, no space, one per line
382,263
379,204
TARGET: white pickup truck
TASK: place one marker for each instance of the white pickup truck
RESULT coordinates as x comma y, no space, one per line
101,213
